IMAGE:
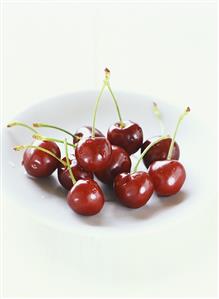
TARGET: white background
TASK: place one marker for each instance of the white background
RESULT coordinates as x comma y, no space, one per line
163,49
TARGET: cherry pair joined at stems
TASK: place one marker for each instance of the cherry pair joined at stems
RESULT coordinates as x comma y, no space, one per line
135,189
166,177
94,153
85,197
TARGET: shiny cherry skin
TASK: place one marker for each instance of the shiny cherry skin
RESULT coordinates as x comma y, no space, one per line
38,163
93,154
159,151
129,137
133,190
86,198
168,176
85,132
78,172
119,162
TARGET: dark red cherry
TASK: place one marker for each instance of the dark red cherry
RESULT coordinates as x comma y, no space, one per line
119,162
85,197
129,137
78,172
167,176
93,154
85,132
159,151
133,190
38,163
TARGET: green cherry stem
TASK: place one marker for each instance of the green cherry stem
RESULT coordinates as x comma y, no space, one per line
96,107
18,123
68,163
158,115
146,150
43,125
23,147
44,138
107,71
186,111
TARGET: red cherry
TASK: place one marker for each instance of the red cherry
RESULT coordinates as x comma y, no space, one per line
119,162
159,151
85,197
93,154
133,190
78,172
85,132
38,163
129,136
168,176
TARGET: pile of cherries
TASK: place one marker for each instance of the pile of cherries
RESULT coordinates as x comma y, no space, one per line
107,159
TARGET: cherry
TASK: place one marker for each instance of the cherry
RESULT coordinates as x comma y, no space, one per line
78,172
119,162
160,150
85,132
168,176
93,154
41,158
133,190
129,136
85,197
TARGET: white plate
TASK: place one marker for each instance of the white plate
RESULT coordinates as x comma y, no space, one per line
45,198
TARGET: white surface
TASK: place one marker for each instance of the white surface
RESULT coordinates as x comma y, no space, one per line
164,50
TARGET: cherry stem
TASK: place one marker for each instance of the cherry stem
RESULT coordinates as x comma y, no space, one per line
44,138
146,150
170,152
43,125
23,147
68,163
158,115
17,123
107,77
96,108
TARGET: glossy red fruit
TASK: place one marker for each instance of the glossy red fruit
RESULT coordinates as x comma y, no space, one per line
129,137
86,132
38,163
78,172
167,176
86,198
93,154
119,162
159,151
133,190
